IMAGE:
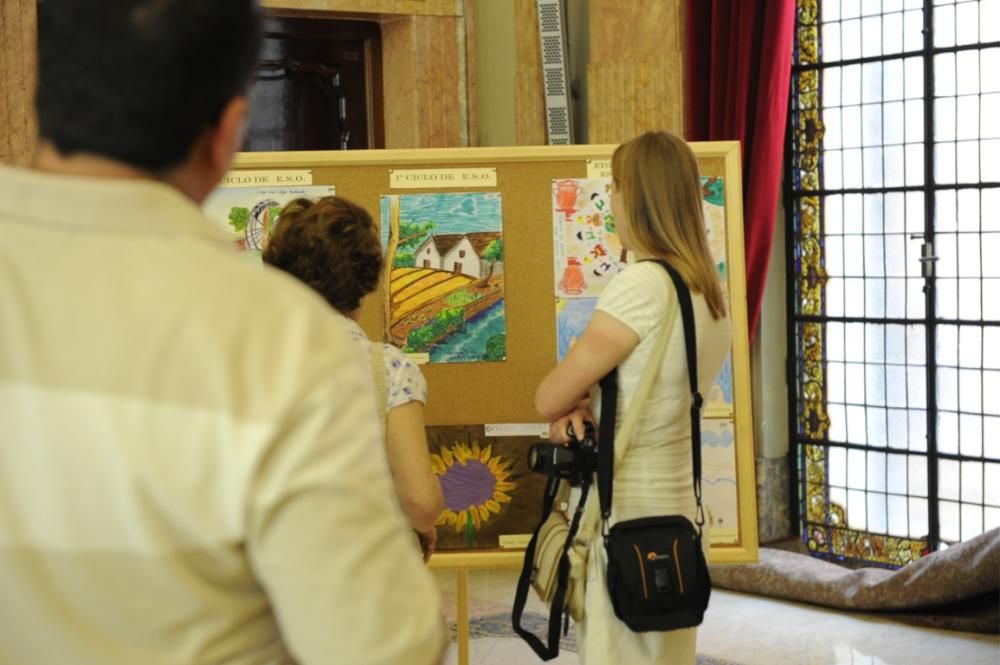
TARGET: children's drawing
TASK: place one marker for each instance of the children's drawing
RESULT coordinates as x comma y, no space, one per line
572,316
714,211
588,252
249,214
719,398
444,266
583,231
718,480
488,489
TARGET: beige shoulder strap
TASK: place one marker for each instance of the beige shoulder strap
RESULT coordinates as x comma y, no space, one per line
381,391
623,436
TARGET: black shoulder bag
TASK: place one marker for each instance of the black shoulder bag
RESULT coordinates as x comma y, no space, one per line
657,575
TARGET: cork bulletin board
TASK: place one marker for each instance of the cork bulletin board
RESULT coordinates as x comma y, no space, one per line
500,394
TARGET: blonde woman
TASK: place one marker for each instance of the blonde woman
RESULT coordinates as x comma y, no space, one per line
657,201
333,246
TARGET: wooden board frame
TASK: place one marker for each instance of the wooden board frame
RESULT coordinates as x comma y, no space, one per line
363,176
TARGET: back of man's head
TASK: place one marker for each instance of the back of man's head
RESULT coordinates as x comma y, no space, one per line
139,81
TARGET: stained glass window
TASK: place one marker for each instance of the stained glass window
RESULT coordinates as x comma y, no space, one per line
894,259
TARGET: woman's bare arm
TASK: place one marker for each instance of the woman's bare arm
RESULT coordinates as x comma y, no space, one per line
417,487
604,344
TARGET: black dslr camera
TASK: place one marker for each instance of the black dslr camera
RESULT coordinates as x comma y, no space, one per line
575,461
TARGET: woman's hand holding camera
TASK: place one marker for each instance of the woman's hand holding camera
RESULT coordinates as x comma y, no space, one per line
559,431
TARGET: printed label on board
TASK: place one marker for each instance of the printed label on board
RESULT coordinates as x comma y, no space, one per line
516,429
267,178
598,168
442,178
515,541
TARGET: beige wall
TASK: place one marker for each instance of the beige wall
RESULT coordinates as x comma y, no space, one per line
423,68
768,355
495,71
626,60
17,80
529,101
578,44
511,106
636,70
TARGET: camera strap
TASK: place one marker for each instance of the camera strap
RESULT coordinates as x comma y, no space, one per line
558,614
606,453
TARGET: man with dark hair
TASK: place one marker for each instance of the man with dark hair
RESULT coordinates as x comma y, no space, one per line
190,461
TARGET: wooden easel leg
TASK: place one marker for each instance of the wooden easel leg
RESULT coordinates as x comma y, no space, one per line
463,616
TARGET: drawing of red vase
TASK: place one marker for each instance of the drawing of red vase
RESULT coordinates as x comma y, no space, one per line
566,193
572,282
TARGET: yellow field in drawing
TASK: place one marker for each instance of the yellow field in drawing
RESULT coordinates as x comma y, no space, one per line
425,295
430,280
400,277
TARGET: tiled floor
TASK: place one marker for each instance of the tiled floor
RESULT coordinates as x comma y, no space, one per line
747,630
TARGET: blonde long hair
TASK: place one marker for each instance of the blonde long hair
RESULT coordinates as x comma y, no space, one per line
659,185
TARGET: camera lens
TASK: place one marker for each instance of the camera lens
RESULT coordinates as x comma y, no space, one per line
532,458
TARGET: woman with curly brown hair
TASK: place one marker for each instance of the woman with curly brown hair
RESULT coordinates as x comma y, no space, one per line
332,245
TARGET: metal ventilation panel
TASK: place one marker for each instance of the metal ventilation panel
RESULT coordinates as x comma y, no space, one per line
553,45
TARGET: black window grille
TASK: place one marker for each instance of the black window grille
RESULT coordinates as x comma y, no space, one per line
893,203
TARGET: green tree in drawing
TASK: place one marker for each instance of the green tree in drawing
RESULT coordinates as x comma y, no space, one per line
411,234
273,213
402,235
496,348
493,254
238,218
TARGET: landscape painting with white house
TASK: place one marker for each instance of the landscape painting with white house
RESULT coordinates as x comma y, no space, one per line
444,267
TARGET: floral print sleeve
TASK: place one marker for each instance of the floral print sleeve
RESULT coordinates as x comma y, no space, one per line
403,378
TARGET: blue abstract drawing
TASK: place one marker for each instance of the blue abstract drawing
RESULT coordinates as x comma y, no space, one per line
720,395
720,437
572,317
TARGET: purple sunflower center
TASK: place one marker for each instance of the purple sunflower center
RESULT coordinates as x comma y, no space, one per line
467,485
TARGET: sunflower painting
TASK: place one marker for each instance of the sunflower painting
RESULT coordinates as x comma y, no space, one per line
488,490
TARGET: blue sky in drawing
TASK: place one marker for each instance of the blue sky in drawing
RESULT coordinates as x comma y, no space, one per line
464,212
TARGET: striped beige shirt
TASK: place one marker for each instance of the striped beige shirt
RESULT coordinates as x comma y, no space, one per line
190,464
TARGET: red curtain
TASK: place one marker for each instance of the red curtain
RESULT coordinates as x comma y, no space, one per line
738,73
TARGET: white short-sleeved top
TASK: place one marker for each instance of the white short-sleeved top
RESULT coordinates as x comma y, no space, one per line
656,472
404,382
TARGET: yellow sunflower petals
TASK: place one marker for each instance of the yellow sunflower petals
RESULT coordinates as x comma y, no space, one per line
475,517
484,455
492,505
500,497
505,486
